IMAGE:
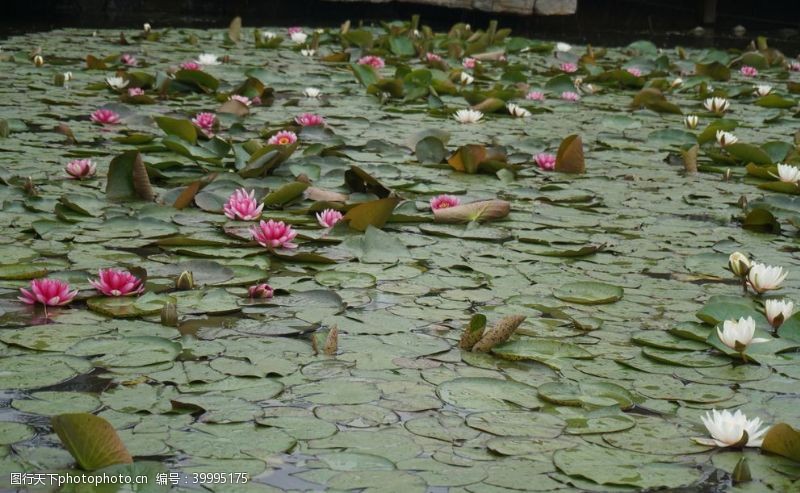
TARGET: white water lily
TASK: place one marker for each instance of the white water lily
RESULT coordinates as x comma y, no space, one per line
208,59
147,27
764,278
312,92
308,52
67,76
676,82
561,46
517,111
466,79
468,116
778,311
728,429
739,264
763,89
788,173
298,37
726,138
116,82
589,88
691,121
717,105
268,35
737,335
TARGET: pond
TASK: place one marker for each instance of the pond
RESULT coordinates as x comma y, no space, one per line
391,259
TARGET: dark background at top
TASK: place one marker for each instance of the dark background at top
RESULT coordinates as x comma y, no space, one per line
600,22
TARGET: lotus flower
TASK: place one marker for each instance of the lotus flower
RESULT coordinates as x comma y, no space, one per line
739,335
762,89
135,91
716,105
128,60
117,282
105,117
298,37
205,122
284,137
328,218
243,205
48,292
191,65
309,120
535,96
570,96
788,173
444,201
468,116
726,138
739,264
80,169
691,121
563,47
242,99
763,278
517,111
778,311
432,57
634,71
260,291
748,71
274,234
545,161
372,61
468,63
208,59
569,67
727,429
466,79
312,92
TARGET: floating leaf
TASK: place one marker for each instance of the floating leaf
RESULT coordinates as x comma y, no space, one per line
374,213
91,440
569,158
589,292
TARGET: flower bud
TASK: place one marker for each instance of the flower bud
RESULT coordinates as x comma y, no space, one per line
147,27
38,60
185,281
739,264
691,121
169,315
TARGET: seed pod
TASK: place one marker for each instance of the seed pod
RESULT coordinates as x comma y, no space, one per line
501,331
472,332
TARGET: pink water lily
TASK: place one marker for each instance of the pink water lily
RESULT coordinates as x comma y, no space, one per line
748,71
372,61
432,57
128,59
570,96
794,66
282,138
569,67
535,96
634,71
444,201
135,91
545,161
205,122
243,205
328,218
47,292
260,291
469,63
309,120
242,99
79,169
191,65
294,30
273,234
117,282
105,117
